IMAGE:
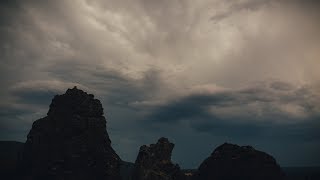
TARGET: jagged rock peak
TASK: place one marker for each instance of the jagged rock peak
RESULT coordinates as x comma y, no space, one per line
75,101
162,150
230,161
154,162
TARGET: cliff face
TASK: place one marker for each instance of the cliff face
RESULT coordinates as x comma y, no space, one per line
154,162
71,142
233,162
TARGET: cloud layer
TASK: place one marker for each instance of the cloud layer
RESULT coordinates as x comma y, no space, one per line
199,72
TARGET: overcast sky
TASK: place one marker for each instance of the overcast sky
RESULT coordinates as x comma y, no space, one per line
198,72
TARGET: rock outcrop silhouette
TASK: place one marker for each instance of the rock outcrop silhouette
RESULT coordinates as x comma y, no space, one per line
154,162
71,142
233,162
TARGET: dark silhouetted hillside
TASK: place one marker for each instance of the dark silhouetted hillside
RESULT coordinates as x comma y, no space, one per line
10,156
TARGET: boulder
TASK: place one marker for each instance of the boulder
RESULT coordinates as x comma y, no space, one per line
233,162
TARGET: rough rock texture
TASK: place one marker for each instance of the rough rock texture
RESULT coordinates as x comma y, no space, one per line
10,156
233,162
71,142
154,162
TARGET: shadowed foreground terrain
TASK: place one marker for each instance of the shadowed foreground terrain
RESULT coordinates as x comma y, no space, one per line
71,142
10,155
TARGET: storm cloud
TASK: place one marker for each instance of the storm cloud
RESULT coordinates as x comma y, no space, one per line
199,72
237,112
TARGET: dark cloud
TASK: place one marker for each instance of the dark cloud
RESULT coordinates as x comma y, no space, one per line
245,113
15,122
281,86
236,6
35,97
12,112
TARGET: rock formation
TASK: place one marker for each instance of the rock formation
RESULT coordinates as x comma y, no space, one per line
71,142
154,162
10,156
233,162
